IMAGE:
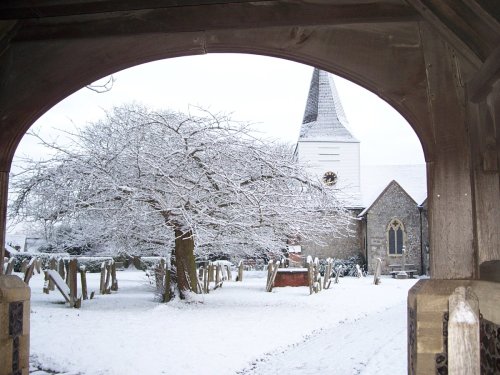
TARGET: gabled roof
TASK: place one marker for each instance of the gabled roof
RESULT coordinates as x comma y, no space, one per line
324,118
392,183
374,178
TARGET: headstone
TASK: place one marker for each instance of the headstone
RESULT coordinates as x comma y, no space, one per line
328,271
270,282
24,265
29,270
73,281
60,268
60,284
402,274
83,279
206,280
102,288
359,273
240,271
114,280
38,265
10,266
378,270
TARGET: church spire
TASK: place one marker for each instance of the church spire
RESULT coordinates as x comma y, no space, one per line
324,117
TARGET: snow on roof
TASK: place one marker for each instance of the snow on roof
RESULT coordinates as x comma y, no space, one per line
324,118
375,178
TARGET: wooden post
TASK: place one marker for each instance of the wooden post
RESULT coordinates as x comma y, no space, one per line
217,275
206,282
60,269
463,333
83,279
166,284
210,272
66,266
240,271
328,270
72,278
108,277
52,266
228,272
102,290
47,282
114,281
310,275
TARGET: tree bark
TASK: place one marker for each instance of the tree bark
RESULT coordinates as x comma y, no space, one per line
184,263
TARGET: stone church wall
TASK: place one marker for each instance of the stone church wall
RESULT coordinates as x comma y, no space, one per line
341,248
394,203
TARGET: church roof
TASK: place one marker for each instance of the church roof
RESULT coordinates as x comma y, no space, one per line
376,178
324,118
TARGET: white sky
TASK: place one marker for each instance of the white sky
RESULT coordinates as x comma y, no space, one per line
267,91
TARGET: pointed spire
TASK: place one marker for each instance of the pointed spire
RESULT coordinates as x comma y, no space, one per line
324,117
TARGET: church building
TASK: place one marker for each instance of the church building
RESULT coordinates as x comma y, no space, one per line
387,203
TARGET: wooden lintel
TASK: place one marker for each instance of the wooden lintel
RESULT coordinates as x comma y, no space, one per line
482,82
212,17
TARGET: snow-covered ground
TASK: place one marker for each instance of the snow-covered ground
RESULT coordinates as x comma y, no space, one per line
353,328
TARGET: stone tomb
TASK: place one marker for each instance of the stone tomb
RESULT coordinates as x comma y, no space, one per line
291,277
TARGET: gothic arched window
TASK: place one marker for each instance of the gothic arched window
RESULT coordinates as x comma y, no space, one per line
395,237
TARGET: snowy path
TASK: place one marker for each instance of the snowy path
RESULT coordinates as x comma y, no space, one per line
341,351
353,328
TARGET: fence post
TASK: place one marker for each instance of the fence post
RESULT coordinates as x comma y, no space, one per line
463,333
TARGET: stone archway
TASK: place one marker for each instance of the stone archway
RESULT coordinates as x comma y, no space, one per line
436,62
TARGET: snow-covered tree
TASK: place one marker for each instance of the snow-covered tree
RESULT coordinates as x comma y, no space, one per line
144,178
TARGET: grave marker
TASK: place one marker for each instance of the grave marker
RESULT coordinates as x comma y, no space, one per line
378,270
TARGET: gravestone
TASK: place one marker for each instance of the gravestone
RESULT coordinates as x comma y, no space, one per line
378,270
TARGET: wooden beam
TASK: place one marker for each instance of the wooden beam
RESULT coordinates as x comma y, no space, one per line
480,85
446,25
212,17
23,9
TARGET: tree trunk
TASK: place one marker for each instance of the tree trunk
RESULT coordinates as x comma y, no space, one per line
184,263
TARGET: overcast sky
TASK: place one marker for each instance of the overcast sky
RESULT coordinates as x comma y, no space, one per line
266,91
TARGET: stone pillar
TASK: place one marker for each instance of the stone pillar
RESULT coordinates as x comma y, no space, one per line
14,326
428,311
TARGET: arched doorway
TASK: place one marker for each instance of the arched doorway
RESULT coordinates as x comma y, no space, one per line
436,63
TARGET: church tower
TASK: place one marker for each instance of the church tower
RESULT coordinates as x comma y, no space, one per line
325,142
